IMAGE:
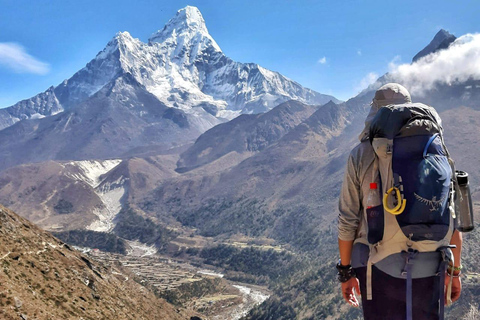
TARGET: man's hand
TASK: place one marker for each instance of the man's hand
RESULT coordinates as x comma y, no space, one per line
456,288
349,289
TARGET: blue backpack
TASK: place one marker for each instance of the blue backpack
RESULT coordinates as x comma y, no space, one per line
415,212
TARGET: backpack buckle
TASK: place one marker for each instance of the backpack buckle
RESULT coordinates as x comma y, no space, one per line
389,148
409,257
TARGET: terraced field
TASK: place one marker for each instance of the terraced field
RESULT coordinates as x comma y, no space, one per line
202,291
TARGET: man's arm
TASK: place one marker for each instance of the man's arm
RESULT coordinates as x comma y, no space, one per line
349,206
348,222
345,248
457,252
457,255
351,287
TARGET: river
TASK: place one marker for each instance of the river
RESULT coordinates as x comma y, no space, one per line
251,297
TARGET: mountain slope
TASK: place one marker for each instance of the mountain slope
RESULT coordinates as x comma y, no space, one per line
45,279
88,194
50,195
42,105
247,133
120,118
290,182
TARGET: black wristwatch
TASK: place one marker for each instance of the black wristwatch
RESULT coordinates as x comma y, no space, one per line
345,273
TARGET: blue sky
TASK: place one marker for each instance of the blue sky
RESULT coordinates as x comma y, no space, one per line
330,46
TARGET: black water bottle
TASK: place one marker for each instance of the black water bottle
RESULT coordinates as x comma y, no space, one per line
463,203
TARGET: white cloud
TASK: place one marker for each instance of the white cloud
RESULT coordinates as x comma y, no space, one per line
393,65
359,52
458,63
13,56
322,60
366,81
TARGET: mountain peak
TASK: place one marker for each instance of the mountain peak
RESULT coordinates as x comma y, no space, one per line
191,17
122,36
187,20
441,41
443,33
120,39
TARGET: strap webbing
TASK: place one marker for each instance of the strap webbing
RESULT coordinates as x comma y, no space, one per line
369,272
442,270
369,279
409,256
409,292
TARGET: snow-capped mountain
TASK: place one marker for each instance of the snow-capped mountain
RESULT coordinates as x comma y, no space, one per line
183,67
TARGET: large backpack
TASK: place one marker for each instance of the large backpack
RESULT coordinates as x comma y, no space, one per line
415,172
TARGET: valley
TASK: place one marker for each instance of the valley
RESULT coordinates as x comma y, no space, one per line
194,288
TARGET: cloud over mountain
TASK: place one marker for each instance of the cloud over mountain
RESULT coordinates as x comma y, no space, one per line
459,63
13,56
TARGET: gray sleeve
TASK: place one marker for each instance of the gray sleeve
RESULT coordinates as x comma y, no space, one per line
350,205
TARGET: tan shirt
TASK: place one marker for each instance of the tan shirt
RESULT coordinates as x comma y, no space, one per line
352,222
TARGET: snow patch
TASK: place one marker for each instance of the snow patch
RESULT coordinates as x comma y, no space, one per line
111,194
92,170
82,249
138,249
228,114
37,116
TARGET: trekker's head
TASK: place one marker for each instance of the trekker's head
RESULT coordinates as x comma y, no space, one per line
390,93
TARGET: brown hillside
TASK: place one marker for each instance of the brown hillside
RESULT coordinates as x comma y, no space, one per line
43,278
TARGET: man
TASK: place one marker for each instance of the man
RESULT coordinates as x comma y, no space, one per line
387,293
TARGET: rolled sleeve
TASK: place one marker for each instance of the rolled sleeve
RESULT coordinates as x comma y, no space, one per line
349,204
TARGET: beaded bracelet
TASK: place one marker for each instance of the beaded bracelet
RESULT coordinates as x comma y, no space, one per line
451,270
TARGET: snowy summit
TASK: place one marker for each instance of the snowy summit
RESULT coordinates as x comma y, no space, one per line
187,21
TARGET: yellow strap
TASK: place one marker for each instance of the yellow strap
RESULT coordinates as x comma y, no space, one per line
400,207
